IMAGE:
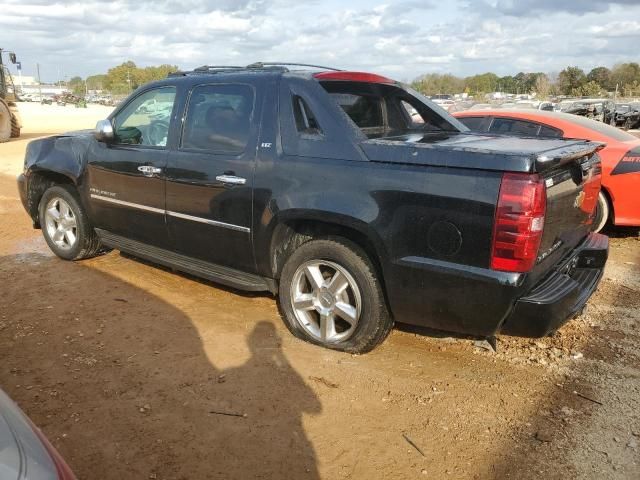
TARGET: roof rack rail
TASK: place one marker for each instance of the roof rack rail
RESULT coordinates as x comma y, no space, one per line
254,66
205,68
289,64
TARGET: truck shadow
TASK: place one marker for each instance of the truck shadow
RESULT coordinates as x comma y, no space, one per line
572,426
124,386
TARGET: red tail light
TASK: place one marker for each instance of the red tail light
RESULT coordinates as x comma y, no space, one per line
353,77
519,222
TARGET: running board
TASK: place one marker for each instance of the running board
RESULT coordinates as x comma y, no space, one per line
198,268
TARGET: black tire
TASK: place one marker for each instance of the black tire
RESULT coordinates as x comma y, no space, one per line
87,244
602,213
374,323
5,122
15,129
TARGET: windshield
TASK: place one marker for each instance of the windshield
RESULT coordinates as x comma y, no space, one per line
387,110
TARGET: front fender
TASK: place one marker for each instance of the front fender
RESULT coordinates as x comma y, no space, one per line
63,154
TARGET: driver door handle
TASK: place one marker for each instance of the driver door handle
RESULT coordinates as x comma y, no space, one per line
149,171
231,179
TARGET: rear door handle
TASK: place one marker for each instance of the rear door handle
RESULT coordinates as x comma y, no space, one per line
231,179
149,171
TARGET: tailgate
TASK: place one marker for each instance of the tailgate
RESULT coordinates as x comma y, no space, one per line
573,184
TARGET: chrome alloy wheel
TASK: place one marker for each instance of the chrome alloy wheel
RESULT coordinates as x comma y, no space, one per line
61,224
326,300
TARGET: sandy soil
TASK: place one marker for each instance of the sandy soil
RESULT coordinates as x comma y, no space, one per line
129,368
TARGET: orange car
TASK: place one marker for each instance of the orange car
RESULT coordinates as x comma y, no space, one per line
619,200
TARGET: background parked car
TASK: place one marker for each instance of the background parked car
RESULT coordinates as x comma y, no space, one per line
25,453
627,115
600,109
618,201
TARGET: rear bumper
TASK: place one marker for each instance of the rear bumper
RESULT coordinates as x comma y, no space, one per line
561,295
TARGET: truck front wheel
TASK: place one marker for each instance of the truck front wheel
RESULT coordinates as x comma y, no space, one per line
330,295
65,225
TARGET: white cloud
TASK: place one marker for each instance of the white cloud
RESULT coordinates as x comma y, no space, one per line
402,38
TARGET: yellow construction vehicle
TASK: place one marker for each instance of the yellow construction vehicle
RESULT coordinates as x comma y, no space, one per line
10,123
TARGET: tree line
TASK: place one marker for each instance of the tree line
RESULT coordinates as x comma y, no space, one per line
572,81
120,80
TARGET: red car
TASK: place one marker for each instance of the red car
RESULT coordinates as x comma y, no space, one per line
619,200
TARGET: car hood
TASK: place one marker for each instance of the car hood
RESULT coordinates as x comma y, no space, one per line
76,133
22,455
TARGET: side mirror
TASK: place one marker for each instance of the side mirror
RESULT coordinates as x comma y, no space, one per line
12,58
104,131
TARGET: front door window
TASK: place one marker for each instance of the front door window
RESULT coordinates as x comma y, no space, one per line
145,120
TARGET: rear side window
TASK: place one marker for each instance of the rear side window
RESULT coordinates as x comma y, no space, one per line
364,110
218,118
473,123
550,132
514,127
413,114
305,119
388,110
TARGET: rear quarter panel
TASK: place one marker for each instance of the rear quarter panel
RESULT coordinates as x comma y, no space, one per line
419,218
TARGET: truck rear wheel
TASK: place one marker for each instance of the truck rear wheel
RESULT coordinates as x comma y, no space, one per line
5,122
330,295
65,225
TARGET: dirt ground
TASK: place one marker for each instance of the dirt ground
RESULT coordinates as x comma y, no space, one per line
132,372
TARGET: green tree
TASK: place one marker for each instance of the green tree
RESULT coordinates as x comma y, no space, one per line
507,84
542,86
589,89
96,82
434,83
571,79
123,78
76,85
483,83
626,76
602,76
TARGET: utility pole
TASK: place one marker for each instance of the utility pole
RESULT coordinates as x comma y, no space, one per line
19,66
39,82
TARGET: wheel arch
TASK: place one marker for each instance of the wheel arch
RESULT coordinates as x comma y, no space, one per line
39,181
289,232
612,211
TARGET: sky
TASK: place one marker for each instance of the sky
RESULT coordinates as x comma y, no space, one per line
402,39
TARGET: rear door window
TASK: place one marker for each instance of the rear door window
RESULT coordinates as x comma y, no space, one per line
474,124
218,118
510,126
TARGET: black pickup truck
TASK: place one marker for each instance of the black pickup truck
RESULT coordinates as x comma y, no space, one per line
354,199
